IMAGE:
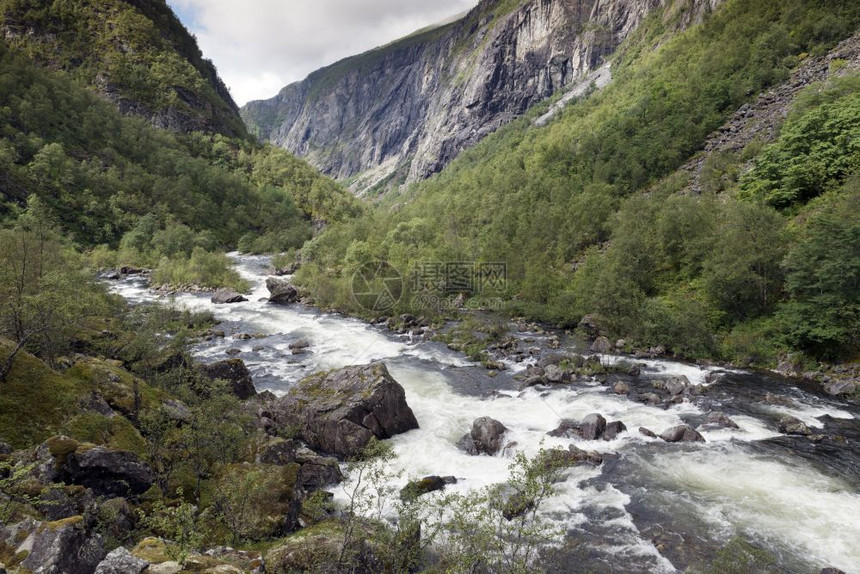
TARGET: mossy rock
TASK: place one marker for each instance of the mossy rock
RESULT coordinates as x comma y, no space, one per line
115,384
307,550
70,521
115,432
153,550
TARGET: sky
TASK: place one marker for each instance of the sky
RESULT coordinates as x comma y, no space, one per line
260,46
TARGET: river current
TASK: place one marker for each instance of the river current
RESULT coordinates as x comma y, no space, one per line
797,499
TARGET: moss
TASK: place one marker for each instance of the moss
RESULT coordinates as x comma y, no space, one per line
59,524
115,432
153,550
35,399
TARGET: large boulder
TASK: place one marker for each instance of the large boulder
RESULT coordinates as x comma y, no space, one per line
225,296
339,412
233,371
840,388
592,426
109,472
281,292
682,433
485,437
121,561
677,385
62,547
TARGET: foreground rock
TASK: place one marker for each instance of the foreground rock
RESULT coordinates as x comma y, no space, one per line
339,412
121,561
107,472
486,437
234,372
62,547
682,433
281,292
227,296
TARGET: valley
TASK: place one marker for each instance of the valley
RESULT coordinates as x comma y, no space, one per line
551,286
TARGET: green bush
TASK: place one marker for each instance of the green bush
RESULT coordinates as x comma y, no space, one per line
204,269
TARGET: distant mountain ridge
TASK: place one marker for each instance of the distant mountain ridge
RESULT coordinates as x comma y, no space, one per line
402,112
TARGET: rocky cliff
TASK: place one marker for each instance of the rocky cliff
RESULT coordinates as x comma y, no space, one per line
402,112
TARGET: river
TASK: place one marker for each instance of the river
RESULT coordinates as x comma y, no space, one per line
797,499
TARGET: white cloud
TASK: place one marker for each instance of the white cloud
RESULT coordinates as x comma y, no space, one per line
260,46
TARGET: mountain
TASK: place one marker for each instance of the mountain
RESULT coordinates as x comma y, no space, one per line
402,112
135,53
703,202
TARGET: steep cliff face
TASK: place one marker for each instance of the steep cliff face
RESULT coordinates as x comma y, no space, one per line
402,112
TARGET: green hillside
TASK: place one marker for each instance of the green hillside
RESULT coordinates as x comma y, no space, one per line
135,53
588,216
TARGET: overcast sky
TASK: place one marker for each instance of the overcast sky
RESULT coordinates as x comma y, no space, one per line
260,46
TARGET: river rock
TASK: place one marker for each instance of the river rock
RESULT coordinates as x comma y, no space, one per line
568,428
648,398
601,345
226,296
426,485
340,411
676,385
791,425
281,292
299,347
592,426
839,388
646,432
613,429
621,388
682,433
233,371
720,419
563,458
533,381
486,435
831,571
556,375
121,561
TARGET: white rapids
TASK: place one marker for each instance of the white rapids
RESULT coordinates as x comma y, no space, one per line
785,504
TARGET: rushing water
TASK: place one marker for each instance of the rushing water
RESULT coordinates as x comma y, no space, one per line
797,499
